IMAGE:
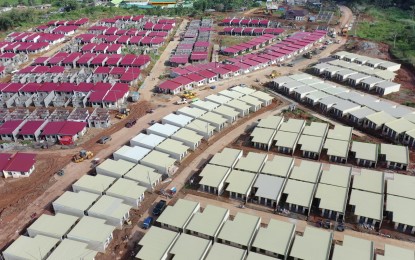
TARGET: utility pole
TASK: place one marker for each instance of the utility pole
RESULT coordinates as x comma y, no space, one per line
355,24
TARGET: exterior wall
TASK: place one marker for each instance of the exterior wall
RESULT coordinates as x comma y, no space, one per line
70,211
111,220
76,188
365,163
188,143
99,246
134,202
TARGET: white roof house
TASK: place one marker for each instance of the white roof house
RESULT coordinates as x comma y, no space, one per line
336,175
301,76
201,127
268,189
178,216
280,166
213,178
243,90
52,226
314,97
337,149
265,98
94,184
144,175
238,105
38,247
129,191
190,247
229,113
307,171
208,223
271,122
262,138
253,162
331,198
281,80
240,183
344,107
293,125
112,209
299,193
396,156
114,168
286,141
74,203
340,133
403,210
365,153
219,251
71,249
301,92
377,120
174,148
254,103
191,112
367,205
94,232
394,252
204,105
165,130
240,231
218,99
188,137
276,238
160,161
230,94
401,185
215,120
156,243
387,87
227,157
388,65
369,180
179,120
354,248
314,244
131,154
147,141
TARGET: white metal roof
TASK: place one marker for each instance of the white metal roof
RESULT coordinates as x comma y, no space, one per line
311,143
362,113
304,90
354,248
368,180
177,119
238,104
159,159
218,99
403,209
71,249
263,135
156,243
204,105
299,192
300,76
380,118
119,167
179,214
54,226
76,200
188,135
395,153
241,229
189,247
308,171
332,197
243,90
336,175
394,252
367,204
312,81
172,146
293,125
227,157
276,237
124,188
98,183
282,80
240,182
317,95
213,118
145,140
262,96
279,166
221,251
108,206
340,133
322,86
401,185
131,154
286,139
165,130
336,147
250,100
253,162
213,175
201,126
226,111
400,125
91,229
315,244
143,174
257,256
316,129
365,151
191,112
271,122
209,221
230,94
335,90
269,187
30,248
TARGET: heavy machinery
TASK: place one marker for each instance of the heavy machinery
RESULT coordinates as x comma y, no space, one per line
82,155
308,55
123,113
189,94
274,74
344,31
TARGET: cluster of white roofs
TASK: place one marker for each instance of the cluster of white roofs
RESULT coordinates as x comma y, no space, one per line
188,232
313,138
392,120
267,179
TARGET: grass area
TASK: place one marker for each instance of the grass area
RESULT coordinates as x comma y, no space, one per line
233,40
16,2
384,24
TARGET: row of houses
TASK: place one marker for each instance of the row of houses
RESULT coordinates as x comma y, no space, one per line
55,23
183,231
245,22
251,31
274,132
131,36
308,187
393,121
367,61
253,44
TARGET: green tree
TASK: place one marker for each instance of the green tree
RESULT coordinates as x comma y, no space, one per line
70,5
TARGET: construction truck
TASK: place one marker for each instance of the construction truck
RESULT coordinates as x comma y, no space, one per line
123,113
82,155
274,74
189,94
344,31
308,55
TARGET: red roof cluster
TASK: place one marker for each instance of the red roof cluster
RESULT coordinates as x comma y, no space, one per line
246,22
243,47
252,31
63,128
20,162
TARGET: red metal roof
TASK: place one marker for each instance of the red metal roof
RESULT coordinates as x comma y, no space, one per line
179,59
114,47
206,74
195,77
21,162
30,127
30,87
52,128
13,88
114,96
231,67
117,71
9,126
183,80
169,84
72,128
97,96
84,87
4,160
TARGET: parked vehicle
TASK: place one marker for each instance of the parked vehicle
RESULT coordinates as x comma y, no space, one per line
104,139
159,208
148,222
130,123
182,101
60,173
152,122
82,155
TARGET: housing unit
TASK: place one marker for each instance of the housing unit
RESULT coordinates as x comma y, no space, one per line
178,216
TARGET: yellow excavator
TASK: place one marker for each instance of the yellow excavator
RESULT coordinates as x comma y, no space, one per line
82,155
189,94
274,74
123,113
